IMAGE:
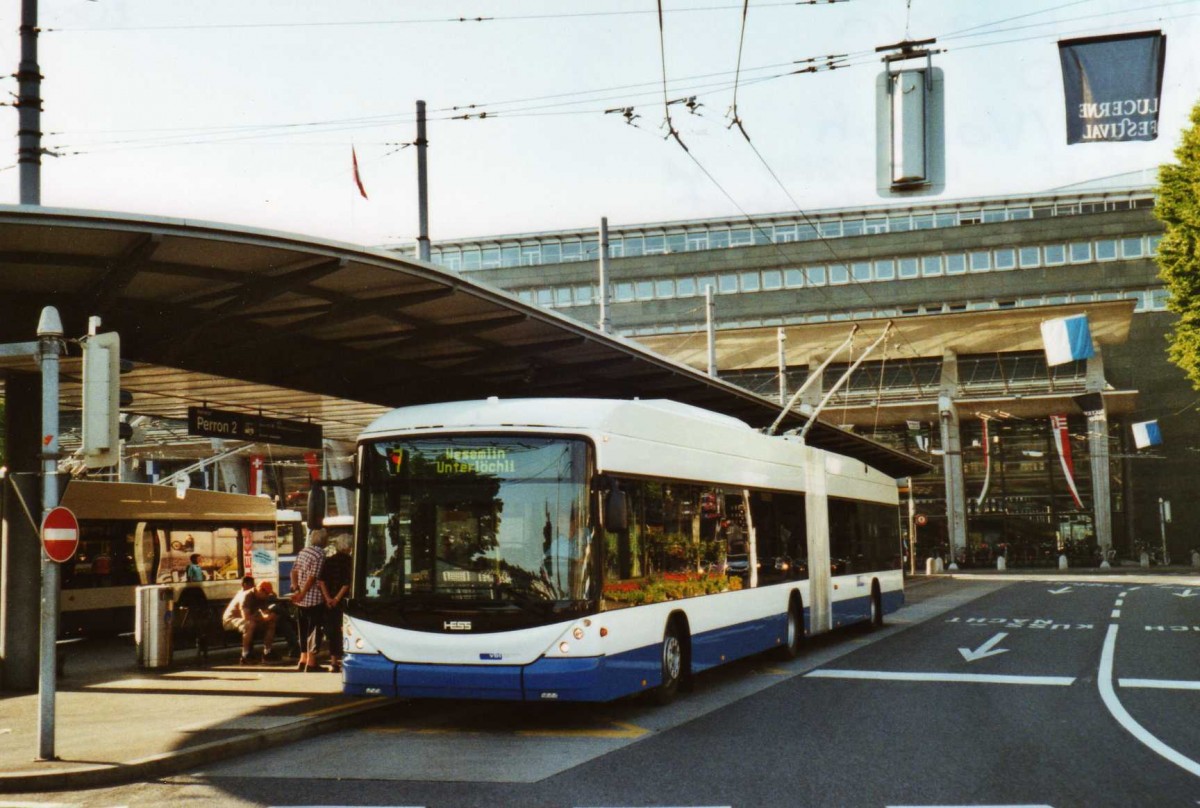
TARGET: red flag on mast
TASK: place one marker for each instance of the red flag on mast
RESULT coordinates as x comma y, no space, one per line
1062,442
357,178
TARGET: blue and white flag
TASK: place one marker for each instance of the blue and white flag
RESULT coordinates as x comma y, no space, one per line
1146,434
1067,339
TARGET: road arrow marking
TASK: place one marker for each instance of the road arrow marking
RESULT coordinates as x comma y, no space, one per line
1064,590
1187,593
984,650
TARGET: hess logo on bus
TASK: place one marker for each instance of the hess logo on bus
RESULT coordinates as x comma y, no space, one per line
456,625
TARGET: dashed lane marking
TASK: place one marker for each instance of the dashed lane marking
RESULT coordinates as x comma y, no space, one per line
617,730
624,731
1160,684
970,678
337,708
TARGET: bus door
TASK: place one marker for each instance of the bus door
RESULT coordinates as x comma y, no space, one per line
289,532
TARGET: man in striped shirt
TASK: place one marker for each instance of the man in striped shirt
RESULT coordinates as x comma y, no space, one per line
307,598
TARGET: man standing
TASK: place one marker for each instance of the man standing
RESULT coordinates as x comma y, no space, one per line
307,598
245,614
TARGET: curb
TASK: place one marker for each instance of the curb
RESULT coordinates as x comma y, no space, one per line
168,763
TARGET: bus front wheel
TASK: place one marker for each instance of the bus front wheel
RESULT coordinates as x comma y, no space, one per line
672,664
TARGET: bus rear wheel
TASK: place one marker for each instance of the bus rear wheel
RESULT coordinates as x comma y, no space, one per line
672,664
794,637
876,607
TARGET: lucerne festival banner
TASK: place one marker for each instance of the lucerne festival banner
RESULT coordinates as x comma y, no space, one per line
1112,86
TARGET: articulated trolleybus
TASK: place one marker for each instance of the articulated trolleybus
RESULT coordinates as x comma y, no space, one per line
588,549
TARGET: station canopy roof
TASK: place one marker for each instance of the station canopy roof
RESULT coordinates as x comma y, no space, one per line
303,329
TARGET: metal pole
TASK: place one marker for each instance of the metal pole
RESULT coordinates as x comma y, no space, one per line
1162,527
782,337
29,108
423,251
50,334
710,330
814,377
912,530
604,324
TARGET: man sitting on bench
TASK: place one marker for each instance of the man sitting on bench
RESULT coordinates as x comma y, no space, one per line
245,614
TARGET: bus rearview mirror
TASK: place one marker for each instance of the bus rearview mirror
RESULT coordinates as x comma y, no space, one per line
616,510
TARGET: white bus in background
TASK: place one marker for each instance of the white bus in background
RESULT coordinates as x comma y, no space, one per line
292,535
588,549
133,534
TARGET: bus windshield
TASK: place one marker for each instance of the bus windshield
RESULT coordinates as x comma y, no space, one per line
476,522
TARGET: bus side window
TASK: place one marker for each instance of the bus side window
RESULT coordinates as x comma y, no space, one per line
793,533
844,538
624,564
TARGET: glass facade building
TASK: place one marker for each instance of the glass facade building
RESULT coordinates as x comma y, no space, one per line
965,275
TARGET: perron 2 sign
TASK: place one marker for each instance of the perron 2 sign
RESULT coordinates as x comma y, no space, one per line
1112,86
252,428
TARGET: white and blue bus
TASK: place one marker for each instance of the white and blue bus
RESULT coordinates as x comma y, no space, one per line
589,549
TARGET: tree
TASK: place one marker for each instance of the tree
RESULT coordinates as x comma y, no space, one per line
1178,207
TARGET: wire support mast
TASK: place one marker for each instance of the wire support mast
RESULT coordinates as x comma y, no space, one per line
662,50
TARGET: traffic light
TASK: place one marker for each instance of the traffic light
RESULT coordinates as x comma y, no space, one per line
101,400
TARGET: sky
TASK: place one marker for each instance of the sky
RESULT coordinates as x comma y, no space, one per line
247,113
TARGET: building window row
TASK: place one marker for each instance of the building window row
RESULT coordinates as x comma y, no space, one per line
881,269
1146,300
715,236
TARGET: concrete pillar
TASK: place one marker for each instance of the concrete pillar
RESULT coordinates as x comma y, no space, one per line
812,396
21,552
952,463
235,474
1098,450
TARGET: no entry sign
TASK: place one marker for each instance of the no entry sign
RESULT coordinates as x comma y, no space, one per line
60,534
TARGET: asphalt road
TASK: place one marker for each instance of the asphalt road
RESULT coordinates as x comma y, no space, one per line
981,693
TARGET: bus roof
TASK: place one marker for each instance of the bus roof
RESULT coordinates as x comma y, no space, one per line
656,419
104,500
537,413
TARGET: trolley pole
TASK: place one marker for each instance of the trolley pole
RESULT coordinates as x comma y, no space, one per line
50,334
